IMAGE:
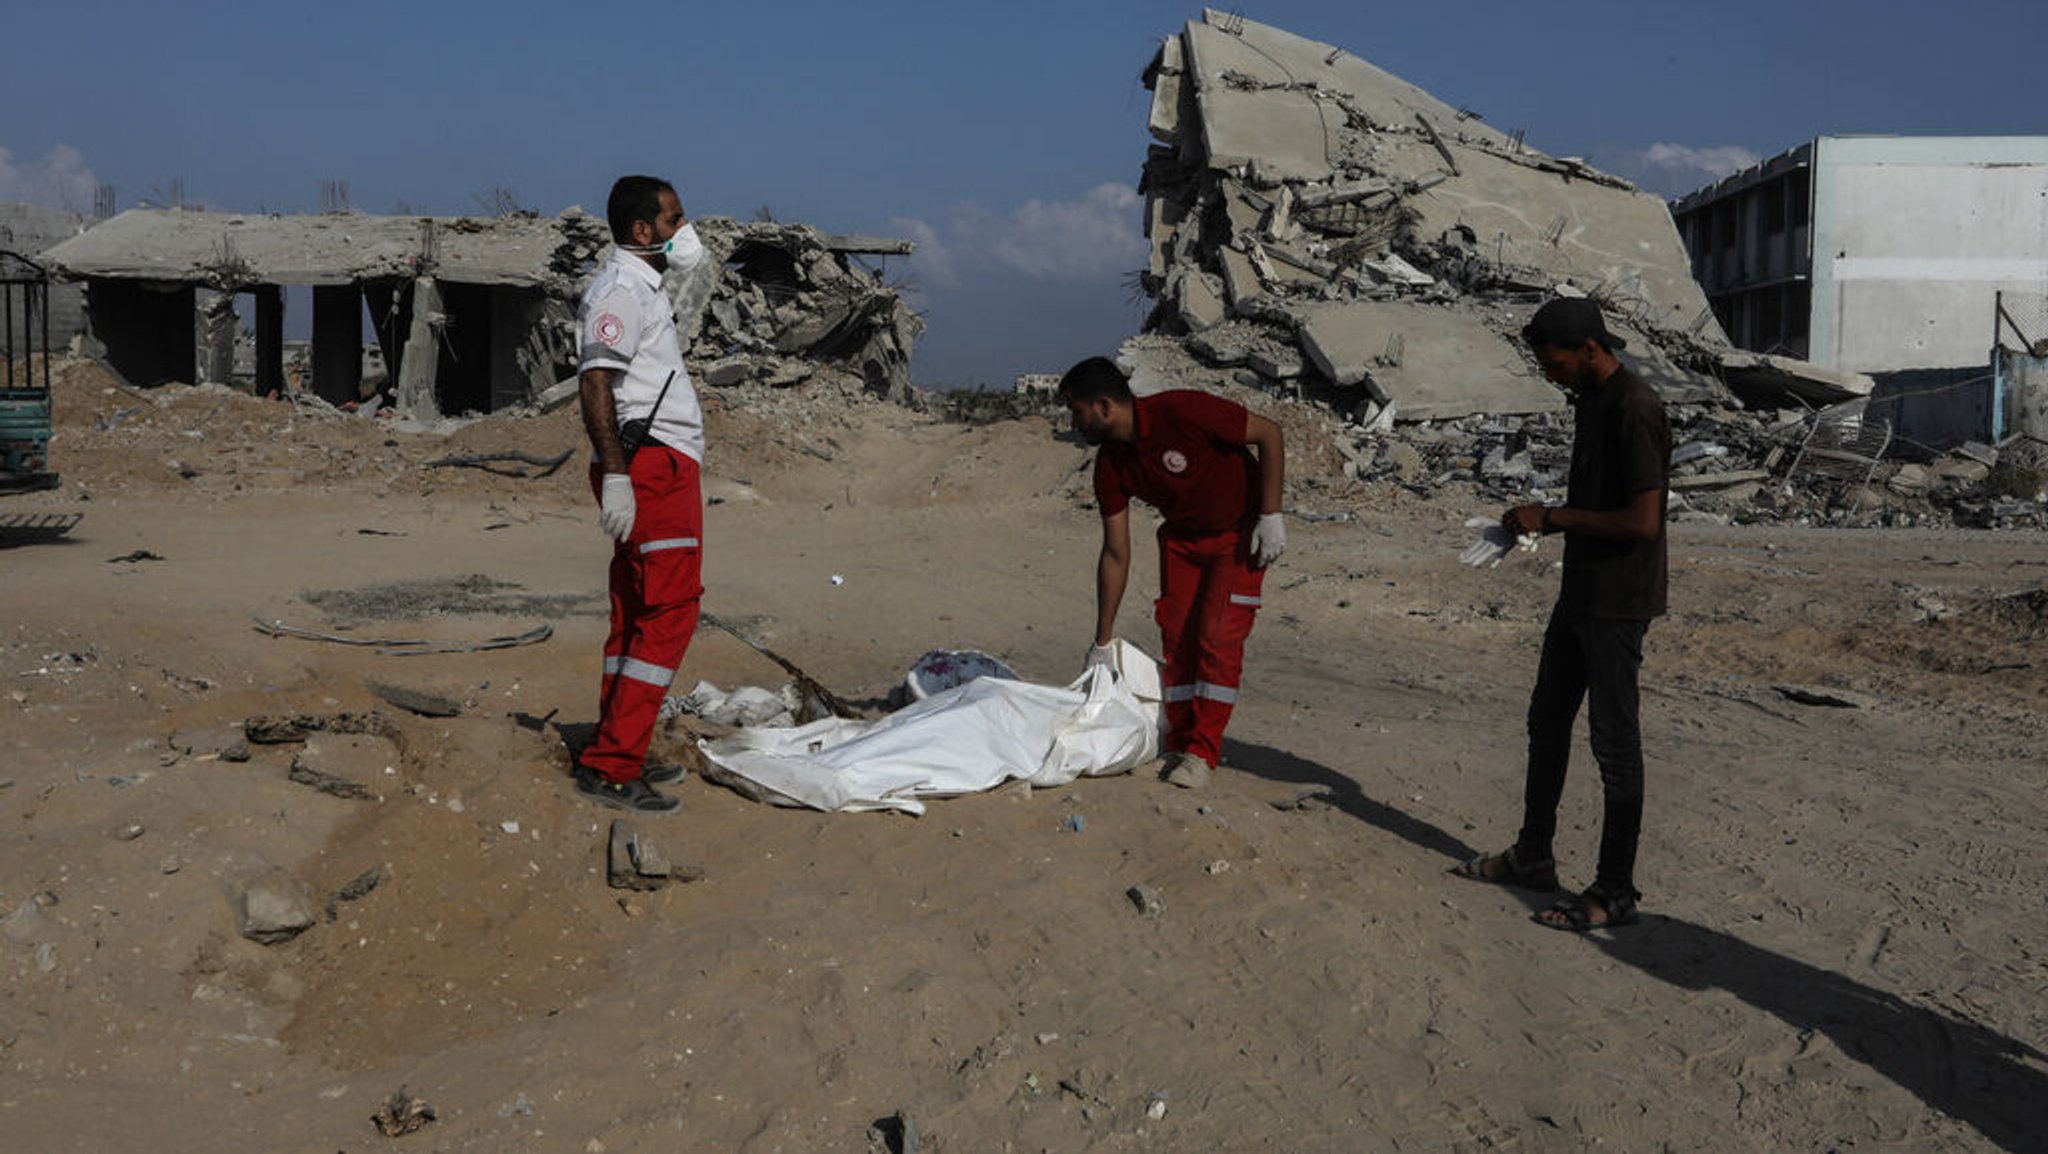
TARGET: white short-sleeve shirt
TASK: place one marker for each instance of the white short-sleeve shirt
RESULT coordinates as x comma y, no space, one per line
627,323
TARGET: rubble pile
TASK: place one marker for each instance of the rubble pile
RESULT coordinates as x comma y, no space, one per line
1327,228
1323,230
1727,467
787,302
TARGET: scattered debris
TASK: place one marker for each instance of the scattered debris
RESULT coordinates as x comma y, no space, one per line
409,647
272,729
749,706
1148,900
420,701
546,465
818,701
1823,695
895,1134
633,863
128,832
339,765
1315,797
402,1114
273,908
138,555
356,888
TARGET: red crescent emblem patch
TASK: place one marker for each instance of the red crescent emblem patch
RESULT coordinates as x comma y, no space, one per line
609,329
1174,461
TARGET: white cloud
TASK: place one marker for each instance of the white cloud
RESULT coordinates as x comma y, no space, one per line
1711,163
1099,235
59,180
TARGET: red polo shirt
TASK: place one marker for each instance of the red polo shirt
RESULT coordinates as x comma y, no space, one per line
1189,461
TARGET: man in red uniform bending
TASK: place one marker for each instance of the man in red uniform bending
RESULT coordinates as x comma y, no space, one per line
1188,455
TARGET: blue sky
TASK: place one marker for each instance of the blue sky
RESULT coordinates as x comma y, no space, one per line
1006,138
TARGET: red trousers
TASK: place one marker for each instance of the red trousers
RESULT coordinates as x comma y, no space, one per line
1208,597
657,580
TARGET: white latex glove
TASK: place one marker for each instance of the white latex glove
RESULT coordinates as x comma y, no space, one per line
615,506
1494,543
1269,540
1103,655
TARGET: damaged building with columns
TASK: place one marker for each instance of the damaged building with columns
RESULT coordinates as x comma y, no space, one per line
466,314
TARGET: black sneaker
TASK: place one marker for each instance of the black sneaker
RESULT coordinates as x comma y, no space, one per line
635,795
661,772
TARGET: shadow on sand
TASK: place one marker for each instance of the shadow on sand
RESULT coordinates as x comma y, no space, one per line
1965,1070
1343,793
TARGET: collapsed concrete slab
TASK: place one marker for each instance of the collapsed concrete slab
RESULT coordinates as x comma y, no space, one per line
469,314
1439,362
1302,188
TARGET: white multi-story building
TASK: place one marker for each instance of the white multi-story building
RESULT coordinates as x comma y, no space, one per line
1877,254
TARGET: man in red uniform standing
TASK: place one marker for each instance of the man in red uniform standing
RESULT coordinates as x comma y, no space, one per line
648,434
1189,455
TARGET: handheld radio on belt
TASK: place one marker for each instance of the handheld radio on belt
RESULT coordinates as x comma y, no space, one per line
640,430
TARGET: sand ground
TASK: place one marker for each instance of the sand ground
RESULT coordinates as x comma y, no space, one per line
1844,944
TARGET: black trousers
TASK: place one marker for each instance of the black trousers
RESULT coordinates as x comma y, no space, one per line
1588,659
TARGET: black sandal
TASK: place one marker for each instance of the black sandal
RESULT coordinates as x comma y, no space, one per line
1507,868
1575,914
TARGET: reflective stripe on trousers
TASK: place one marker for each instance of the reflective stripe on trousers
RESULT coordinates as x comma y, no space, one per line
656,584
1209,596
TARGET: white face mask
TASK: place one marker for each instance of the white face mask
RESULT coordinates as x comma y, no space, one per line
683,251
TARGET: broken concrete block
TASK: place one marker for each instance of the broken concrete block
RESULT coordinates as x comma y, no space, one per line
1241,283
273,907
356,888
1201,306
1275,365
224,742
1165,77
725,371
622,864
345,765
402,1114
1979,452
1960,471
1147,900
1909,480
1450,365
1406,460
632,862
1391,269
419,701
1214,351
1726,480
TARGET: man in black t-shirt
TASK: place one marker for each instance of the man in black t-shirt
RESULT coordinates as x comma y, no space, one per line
1614,583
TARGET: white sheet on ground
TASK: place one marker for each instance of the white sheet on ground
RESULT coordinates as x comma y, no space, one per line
965,739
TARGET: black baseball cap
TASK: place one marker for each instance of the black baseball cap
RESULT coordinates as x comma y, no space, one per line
1569,321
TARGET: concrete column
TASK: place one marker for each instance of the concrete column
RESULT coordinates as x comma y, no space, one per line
337,342
217,328
418,368
269,339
